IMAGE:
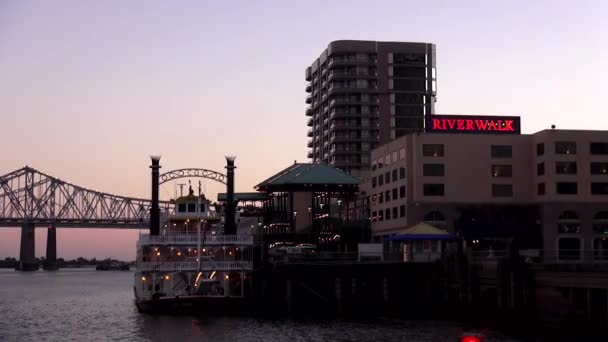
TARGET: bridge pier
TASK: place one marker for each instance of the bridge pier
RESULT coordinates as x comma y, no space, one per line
50,263
27,252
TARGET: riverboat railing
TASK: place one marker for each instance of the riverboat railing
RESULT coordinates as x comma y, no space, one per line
206,265
192,239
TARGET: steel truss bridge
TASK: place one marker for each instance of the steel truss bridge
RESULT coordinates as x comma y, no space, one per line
28,196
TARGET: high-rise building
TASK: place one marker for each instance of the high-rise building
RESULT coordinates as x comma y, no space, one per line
366,93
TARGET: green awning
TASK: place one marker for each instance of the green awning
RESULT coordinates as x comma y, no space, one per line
308,174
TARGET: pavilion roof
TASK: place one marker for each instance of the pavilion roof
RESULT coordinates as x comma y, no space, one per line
308,174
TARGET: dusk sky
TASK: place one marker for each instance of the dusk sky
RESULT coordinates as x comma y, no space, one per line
89,89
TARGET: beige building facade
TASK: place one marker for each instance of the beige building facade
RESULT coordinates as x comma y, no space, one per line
549,188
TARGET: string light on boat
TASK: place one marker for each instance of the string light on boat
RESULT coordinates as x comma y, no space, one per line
227,277
143,278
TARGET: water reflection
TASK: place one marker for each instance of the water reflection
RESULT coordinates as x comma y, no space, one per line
89,305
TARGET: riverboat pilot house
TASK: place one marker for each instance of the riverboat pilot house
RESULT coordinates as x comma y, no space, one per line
479,178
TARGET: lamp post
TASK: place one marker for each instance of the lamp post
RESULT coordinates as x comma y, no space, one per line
295,221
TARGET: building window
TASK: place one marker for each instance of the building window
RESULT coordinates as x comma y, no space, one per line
402,211
540,169
565,168
373,182
599,168
599,188
569,248
502,190
395,212
387,196
380,180
502,171
502,151
374,218
566,188
381,215
433,189
402,154
565,147
394,175
600,248
600,223
380,197
395,194
540,189
540,149
432,150
387,214
401,172
387,177
181,208
598,148
433,170
402,191
568,222
191,207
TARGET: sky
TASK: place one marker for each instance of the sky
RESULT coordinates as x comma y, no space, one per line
90,89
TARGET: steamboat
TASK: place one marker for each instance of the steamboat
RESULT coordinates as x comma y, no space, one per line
191,259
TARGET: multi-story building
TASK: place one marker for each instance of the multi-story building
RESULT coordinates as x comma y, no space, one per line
366,93
549,188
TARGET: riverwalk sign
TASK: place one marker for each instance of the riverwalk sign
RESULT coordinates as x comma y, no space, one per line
473,124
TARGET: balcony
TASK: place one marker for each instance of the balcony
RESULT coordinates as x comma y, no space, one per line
309,155
335,61
309,133
308,99
309,123
191,239
309,143
206,265
309,111
308,88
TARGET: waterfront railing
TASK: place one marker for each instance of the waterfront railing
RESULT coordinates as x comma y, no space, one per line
192,239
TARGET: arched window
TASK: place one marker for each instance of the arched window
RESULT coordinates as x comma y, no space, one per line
568,223
600,223
436,219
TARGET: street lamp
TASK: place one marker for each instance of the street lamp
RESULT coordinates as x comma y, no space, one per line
295,221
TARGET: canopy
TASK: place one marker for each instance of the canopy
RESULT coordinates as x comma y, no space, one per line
421,231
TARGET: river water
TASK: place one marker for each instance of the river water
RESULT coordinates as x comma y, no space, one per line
89,305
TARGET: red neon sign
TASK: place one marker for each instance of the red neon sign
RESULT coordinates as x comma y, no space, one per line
473,124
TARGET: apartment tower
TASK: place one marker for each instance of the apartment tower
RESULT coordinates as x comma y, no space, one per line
364,93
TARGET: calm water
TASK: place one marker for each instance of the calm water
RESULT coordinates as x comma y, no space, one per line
88,305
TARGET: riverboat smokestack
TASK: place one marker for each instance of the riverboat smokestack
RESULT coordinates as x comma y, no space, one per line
154,209
230,212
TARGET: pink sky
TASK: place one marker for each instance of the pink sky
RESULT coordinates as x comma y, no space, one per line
90,89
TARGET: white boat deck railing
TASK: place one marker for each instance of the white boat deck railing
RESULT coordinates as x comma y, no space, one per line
192,239
224,265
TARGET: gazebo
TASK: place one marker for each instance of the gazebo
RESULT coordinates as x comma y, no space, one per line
421,242
306,196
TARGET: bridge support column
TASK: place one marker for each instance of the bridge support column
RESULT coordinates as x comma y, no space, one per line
50,263
27,253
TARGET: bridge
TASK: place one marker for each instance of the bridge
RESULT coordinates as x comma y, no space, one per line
30,198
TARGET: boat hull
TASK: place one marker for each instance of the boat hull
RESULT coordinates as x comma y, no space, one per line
195,305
